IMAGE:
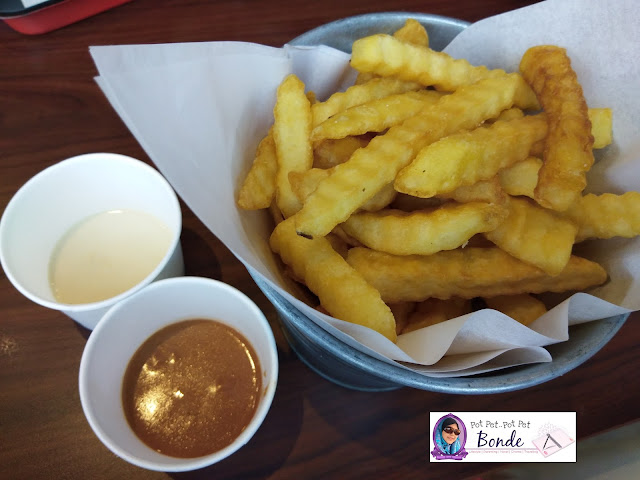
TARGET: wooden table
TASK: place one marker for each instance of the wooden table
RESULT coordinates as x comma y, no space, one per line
51,109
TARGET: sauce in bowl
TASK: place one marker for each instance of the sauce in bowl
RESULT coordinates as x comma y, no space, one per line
107,254
192,388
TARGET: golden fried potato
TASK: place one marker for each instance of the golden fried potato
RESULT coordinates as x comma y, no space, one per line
568,151
375,166
601,126
330,152
606,216
467,273
489,191
374,116
401,312
411,32
359,94
601,129
523,308
465,158
291,130
506,115
305,183
389,57
424,232
259,186
395,262
535,235
433,311
521,178
385,196
342,291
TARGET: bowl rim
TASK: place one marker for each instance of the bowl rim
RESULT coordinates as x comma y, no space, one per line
399,15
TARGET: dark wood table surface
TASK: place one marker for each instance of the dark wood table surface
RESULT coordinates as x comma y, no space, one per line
51,109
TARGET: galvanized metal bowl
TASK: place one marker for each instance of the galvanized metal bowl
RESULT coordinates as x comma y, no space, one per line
338,362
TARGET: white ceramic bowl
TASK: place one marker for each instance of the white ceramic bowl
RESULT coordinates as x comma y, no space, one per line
129,323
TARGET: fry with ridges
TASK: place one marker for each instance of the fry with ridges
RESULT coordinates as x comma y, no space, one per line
465,158
411,32
489,191
291,130
601,126
568,154
389,57
466,273
342,291
424,232
521,178
606,216
330,152
359,94
374,116
535,235
523,308
305,183
371,168
433,311
259,186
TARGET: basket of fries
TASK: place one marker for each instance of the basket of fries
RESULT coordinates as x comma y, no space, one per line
418,220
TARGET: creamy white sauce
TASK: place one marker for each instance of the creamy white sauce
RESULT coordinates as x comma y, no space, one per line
107,254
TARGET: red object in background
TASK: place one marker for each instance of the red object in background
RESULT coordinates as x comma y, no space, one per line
50,14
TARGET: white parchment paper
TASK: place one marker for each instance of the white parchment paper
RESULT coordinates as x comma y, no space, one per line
200,109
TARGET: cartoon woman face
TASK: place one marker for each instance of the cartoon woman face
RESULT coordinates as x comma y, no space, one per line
450,433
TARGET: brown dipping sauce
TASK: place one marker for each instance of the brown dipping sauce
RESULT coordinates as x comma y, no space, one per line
192,388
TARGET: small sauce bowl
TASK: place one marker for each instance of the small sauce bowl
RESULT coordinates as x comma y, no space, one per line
60,197
128,324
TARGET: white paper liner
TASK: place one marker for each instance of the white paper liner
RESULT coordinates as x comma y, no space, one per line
200,109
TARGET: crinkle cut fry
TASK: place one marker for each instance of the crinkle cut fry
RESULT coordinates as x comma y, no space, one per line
606,216
523,308
387,56
371,168
467,273
374,116
342,291
521,178
489,191
535,235
465,158
424,232
411,32
359,94
568,154
259,186
291,130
